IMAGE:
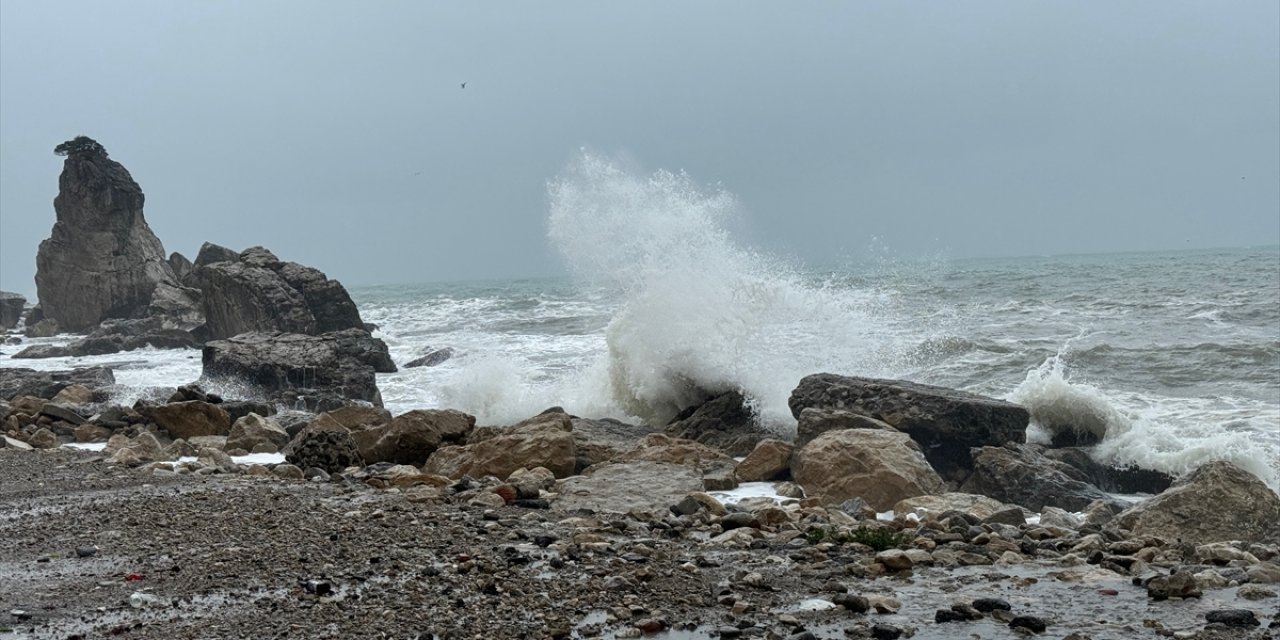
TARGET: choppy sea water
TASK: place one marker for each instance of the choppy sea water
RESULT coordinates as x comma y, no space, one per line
1175,356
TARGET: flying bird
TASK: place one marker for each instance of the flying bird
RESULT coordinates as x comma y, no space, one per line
464,85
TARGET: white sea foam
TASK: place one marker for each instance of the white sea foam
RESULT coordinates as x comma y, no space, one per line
1174,435
699,314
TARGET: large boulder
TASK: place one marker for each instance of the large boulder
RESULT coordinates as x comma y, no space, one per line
254,430
256,291
114,336
724,422
621,487
770,460
881,467
543,442
1215,503
321,372
1020,474
662,448
189,419
11,305
412,437
814,422
15,381
102,260
946,422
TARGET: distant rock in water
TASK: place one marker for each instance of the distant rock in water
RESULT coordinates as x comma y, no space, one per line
11,305
102,260
46,384
320,372
433,358
255,291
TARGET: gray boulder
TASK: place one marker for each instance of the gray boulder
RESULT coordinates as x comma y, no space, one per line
101,260
180,264
210,253
258,292
433,358
946,422
1019,474
11,305
319,372
1215,503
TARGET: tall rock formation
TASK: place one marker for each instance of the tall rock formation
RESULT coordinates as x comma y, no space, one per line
102,260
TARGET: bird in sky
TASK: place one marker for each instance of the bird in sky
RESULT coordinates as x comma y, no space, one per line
464,85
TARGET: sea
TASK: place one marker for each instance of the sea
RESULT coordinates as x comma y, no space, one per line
1172,357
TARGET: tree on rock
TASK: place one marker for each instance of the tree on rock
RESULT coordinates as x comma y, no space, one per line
79,145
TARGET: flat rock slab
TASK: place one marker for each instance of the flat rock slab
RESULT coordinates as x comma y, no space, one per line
946,422
624,486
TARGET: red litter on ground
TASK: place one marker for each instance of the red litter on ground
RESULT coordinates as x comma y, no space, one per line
133,577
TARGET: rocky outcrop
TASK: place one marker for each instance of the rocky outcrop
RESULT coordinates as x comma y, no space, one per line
16,381
180,264
544,441
947,423
1020,474
320,372
723,422
255,291
253,431
1215,503
114,336
11,306
102,260
1110,478
881,467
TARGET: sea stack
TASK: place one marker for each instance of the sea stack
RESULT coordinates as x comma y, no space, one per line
102,260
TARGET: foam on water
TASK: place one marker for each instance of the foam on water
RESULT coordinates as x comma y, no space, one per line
1174,435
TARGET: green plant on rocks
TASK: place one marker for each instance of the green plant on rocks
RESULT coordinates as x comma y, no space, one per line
878,538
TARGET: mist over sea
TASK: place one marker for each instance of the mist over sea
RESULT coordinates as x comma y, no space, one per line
1175,356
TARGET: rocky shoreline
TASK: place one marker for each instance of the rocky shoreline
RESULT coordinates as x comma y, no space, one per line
97,550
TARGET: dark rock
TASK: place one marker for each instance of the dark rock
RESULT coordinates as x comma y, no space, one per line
1131,479
854,603
330,449
42,328
289,366
885,632
180,264
211,253
15,381
1012,516
739,520
237,409
1233,617
11,306
1178,585
947,615
102,260
258,292
531,503
723,422
188,392
1020,474
947,423
1032,623
987,605
433,358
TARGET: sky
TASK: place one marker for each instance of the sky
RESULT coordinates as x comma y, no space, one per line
338,135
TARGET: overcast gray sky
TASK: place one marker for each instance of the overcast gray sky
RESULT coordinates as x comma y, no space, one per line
336,133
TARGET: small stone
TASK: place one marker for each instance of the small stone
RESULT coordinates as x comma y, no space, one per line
1233,617
1178,585
87,551
885,632
947,615
987,605
894,559
739,520
1032,623
1255,592
856,604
